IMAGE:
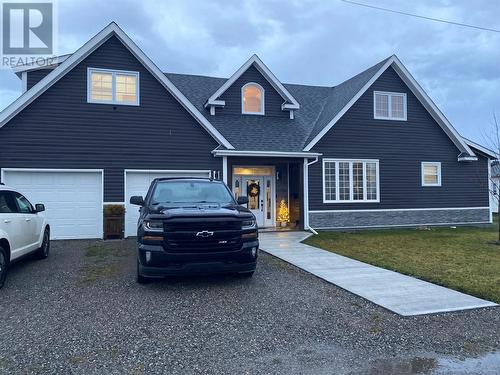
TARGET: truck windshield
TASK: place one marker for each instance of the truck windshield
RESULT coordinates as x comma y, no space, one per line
187,191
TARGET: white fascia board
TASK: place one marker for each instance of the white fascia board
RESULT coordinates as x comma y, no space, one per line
47,63
282,154
417,90
264,70
483,149
467,158
82,53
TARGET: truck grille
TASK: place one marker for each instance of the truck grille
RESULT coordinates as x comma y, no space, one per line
180,236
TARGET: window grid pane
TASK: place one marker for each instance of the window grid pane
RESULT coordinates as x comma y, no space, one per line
344,181
102,86
371,181
330,181
126,88
397,106
381,105
357,181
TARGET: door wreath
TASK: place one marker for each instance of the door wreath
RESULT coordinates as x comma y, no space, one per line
253,190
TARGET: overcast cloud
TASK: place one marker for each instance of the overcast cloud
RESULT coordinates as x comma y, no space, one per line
320,42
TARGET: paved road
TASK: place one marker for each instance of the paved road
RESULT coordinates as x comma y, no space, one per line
81,312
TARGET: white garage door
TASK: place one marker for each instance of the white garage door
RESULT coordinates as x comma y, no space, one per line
137,183
73,199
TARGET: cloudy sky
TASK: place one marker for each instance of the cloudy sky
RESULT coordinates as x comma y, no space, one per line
320,42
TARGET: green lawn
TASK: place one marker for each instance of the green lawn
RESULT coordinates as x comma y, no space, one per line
466,259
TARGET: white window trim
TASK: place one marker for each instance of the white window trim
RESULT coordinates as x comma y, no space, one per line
351,189
389,112
113,72
431,163
262,91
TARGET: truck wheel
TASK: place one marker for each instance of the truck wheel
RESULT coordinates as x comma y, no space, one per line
3,266
139,278
43,251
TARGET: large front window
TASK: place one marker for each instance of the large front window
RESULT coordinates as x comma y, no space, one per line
350,181
113,87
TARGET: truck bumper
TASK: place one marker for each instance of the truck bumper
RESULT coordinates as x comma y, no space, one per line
159,263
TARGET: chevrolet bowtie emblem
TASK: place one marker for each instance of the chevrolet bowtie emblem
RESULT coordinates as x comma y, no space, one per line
204,233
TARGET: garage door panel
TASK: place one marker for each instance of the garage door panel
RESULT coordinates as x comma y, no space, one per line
137,183
73,200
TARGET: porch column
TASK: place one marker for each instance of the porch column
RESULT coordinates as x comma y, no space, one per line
224,169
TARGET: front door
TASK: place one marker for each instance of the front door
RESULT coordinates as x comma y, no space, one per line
260,193
253,188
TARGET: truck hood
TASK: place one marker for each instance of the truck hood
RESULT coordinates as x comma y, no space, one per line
203,210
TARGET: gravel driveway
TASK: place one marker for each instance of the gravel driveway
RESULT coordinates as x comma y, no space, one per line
80,311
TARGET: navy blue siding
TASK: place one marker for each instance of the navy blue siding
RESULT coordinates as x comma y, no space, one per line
400,146
61,130
232,96
36,75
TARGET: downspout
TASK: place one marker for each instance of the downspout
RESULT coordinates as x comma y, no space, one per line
306,193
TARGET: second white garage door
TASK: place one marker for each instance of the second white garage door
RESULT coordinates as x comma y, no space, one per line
137,183
72,198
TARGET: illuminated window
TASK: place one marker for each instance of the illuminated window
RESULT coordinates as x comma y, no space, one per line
431,174
113,87
252,99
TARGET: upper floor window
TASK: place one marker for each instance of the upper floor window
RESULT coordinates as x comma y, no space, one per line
431,173
252,99
350,181
112,86
389,105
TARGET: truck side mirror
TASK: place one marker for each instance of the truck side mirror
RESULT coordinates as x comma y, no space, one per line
137,200
242,200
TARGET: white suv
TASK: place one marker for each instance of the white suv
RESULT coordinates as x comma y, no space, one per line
22,230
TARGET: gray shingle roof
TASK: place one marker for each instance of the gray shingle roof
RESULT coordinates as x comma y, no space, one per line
318,106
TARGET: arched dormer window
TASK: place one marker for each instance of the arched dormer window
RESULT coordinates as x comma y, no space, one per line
252,99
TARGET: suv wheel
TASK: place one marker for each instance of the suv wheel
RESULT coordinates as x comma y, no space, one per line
3,266
139,278
43,251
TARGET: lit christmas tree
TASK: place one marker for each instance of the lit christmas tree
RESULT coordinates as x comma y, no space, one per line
283,215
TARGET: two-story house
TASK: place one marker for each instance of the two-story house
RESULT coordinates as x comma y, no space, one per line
98,125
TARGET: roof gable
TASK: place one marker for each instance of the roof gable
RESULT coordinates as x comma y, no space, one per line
290,103
69,63
368,79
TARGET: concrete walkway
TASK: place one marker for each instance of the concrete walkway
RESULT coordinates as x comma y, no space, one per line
402,294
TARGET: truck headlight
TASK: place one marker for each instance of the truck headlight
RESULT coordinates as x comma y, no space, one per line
248,224
153,225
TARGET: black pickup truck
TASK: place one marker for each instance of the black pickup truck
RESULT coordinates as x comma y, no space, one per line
194,225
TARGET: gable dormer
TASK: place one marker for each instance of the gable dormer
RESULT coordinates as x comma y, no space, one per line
253,90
